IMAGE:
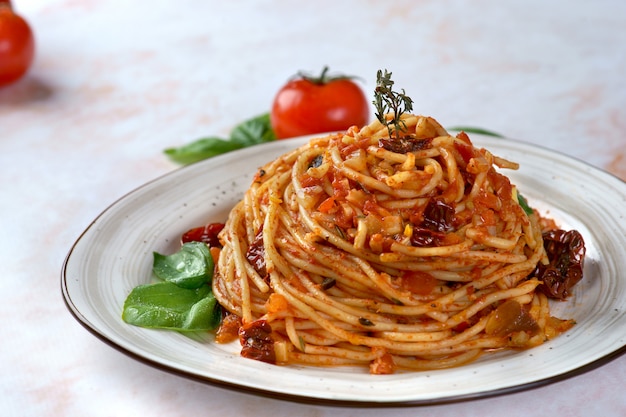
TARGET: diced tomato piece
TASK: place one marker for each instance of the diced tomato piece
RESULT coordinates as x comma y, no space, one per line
418,282
383,364
309,181
276,303
327,205
228,329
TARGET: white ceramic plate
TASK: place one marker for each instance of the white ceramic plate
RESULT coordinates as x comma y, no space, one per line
114,255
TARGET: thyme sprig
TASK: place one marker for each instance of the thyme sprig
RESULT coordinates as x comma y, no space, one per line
388,101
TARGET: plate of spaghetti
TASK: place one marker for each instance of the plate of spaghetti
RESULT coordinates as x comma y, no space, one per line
364,267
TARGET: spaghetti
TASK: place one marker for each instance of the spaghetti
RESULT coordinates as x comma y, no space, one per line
386,252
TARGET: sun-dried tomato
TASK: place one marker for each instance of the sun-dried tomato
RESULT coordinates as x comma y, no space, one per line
405,144
438,216
423,237
256,341
206,234
228,329
566,253
256,254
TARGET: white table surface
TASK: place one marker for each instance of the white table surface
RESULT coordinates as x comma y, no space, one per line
116,82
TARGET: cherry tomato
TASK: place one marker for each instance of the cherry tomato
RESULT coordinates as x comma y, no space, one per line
17,45
307,105
207,234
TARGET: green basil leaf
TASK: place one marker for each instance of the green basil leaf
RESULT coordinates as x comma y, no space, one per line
253,131
165,305
201,149
190,267
522,202
477,130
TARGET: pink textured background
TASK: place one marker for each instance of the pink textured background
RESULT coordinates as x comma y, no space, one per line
116,82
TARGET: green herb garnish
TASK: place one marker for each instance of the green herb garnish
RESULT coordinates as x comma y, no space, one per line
190,267
182,298
478,130
248,133
522,202
391,102
165,305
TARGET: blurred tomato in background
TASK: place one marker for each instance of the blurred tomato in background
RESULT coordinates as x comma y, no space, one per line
17,44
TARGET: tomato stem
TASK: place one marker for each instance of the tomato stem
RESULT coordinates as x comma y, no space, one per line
323,78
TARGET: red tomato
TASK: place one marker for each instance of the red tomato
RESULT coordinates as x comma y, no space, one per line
207,234
418,282
307,105
17,45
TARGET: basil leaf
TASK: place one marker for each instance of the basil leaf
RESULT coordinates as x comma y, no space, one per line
190,267
201,149
477,130
253,131
248,133
522,202
165,305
